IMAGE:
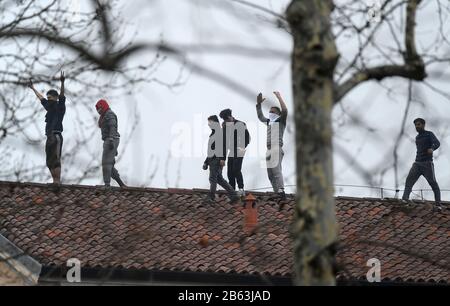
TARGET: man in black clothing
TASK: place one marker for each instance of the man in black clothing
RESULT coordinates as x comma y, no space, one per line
237,139
426,143
55,105
216,161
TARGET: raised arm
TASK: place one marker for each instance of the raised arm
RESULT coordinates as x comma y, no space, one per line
37,93
259,101
63,79
284,110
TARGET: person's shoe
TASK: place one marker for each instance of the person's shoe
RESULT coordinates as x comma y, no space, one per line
282,195
106,187
437,207
54,186
208,201
407,203
121,183
241,193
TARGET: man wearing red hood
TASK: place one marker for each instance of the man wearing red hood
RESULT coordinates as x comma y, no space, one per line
111,139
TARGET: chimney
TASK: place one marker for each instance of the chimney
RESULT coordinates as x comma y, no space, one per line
250,214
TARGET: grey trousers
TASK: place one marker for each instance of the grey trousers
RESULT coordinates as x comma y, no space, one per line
274,159
427,170
108,161
215,177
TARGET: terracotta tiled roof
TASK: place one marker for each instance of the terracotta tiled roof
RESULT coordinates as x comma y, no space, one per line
160,229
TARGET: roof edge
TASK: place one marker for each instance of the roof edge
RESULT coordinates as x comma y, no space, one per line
27,267
51,274
197,190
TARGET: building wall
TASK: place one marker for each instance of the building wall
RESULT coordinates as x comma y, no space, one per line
9,277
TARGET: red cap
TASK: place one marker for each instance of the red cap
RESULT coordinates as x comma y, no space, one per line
103,105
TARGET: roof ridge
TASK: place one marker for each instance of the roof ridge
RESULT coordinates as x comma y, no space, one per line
175,190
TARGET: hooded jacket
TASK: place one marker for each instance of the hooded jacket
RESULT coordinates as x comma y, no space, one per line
108,122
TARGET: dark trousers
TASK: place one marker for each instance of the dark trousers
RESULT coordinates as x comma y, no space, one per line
53,149
215,177
234,172
427,170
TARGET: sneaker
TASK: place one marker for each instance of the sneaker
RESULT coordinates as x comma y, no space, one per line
437,207
407,203
106,187
241,193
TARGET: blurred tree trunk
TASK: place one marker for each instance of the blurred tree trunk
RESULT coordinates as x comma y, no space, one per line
313,62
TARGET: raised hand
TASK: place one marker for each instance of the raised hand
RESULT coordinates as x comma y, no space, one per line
277,94
260,99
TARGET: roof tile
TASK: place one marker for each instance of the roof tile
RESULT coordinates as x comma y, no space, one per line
171,229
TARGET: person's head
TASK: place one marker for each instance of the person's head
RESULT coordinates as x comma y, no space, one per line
102,106
226,115
420,124
213,121
275,110
52,95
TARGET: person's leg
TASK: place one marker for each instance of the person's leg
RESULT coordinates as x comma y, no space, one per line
270,170
230,172
107,163
430,176
224,184
57,175
279,172
114,173
47,154
58,153
237,170
272,181
412,178
50,155
214,167
116,176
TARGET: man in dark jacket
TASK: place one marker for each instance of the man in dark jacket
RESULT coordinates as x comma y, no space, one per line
215,160
55,105
111,139
426,143
237,139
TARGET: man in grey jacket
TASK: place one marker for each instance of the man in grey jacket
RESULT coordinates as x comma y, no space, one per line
111,139
276,125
